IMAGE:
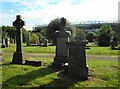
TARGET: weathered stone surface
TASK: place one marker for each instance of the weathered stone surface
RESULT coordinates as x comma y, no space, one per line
61,48
77,67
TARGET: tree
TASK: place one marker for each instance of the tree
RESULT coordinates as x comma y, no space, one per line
24,35
90,37
53,26
105,35
80,35
34,38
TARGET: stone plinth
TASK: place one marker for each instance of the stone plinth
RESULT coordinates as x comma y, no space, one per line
17,58
77,67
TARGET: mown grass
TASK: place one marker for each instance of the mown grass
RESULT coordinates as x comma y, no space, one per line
102,74
102,51
95,50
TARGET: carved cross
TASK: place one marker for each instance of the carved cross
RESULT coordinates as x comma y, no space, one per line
62,24
19,23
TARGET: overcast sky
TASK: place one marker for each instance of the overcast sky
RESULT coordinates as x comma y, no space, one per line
43,11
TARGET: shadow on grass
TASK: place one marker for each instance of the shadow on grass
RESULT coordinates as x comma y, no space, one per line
63,82
17,82
23,80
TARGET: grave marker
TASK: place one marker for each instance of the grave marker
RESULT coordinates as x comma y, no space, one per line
17,57
77,67
62,36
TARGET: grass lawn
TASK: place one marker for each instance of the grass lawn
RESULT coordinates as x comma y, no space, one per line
102,73
51,49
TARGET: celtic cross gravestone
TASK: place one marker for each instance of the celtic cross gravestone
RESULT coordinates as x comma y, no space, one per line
17,57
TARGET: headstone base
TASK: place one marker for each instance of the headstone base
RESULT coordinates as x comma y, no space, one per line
59,62
82,75
17,58
61,59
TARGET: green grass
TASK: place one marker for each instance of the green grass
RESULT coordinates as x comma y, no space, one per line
32,49
101,51
51,49
102,74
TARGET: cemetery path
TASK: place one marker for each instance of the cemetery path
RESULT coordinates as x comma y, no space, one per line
98,57
51,55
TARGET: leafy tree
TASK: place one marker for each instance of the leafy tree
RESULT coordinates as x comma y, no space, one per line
105,35
34,38
80,35
54,26
90,37
10,31
24,35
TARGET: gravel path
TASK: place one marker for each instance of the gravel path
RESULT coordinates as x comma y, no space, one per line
98,57
88,57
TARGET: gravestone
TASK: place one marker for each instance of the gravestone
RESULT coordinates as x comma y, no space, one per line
7,42
62,36
3,43
77,67
45,43
28,40
17,57
113,43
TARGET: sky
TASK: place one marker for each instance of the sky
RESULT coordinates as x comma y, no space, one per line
40,12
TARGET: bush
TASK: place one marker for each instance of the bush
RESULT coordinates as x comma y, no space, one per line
90,37
34,38
105,35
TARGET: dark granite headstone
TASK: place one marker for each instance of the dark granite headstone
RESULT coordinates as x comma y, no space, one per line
17,57
77,67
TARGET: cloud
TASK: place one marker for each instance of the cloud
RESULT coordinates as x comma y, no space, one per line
43,11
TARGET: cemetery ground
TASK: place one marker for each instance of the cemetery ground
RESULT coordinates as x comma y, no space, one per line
102,73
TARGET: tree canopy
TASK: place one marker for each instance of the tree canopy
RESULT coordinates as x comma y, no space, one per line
53,26
105,35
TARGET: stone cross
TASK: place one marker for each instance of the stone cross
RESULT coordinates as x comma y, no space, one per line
17,57
62,24
18,24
